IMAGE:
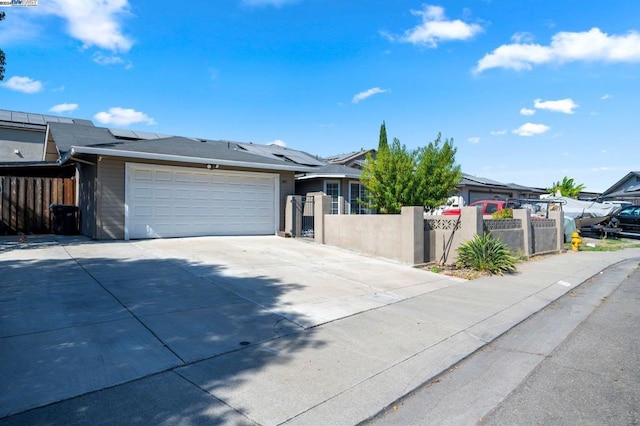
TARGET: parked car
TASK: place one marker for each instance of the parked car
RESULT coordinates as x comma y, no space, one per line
488,207
628,220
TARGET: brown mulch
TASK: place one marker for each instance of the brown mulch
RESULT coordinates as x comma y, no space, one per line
453,271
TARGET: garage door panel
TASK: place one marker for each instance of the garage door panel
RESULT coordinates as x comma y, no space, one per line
174,202
162,176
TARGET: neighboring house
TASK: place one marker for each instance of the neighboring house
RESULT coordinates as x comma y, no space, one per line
144,185
474,188
22,136
352,159
22,141
626,189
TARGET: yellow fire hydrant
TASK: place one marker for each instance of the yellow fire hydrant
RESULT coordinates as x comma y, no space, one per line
575,241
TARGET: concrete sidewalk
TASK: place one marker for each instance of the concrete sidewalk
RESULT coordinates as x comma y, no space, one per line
301,334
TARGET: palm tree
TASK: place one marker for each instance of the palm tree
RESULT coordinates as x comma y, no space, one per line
567,188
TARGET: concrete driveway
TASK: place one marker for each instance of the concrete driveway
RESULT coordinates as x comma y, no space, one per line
78,315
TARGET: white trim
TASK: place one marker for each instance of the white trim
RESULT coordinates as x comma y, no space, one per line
178,158
129,166
324,189
324,176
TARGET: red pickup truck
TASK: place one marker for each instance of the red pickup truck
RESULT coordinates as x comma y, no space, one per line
488,207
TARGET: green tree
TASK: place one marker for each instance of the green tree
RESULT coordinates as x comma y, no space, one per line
436,173
387,178
398,177
567,188
382,143
2,57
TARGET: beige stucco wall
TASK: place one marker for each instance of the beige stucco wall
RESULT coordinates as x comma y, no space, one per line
399,237
378,235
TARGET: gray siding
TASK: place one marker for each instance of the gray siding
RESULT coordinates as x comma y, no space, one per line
303,187
110,199
29,143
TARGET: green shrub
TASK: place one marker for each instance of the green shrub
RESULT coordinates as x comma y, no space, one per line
502,214
486,254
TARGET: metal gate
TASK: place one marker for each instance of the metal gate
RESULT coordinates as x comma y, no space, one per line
302,217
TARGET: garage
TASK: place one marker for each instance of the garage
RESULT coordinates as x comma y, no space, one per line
167,201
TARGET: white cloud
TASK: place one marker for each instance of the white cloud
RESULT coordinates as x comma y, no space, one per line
366,94
435,28
474,139
498,132
606,96
527,111
123,117
587,46
61,108
522,37
101,59
278,142
94,22
531,129
276,3
563,105
23,84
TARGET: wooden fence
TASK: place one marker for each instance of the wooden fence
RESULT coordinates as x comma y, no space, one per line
25,201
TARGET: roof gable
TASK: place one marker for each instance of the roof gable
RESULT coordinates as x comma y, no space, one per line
620,185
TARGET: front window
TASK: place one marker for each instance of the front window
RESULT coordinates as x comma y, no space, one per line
357,193
332,188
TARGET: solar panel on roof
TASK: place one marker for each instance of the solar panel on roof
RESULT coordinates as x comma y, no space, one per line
5,115
82,122
302,158
148,135
119,133
20,117
35,119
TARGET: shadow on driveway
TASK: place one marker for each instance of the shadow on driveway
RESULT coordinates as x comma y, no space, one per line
80,317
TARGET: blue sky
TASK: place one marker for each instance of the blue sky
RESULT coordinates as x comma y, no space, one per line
529,90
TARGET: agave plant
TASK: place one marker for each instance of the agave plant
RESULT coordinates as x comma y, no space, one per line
487,254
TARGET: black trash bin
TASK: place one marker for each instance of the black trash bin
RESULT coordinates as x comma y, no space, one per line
64,219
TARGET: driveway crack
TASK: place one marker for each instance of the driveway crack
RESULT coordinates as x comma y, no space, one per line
133,315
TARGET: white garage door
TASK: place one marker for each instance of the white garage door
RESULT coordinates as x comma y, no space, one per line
183,202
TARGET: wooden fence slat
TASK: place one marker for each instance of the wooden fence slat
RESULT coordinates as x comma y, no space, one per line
39,223
69,192
13,220
4,204
22,205
46,202
30,206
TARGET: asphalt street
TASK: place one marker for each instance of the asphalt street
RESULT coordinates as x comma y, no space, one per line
575,362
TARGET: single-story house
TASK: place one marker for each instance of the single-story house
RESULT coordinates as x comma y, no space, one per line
626,189
474,188
141,185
